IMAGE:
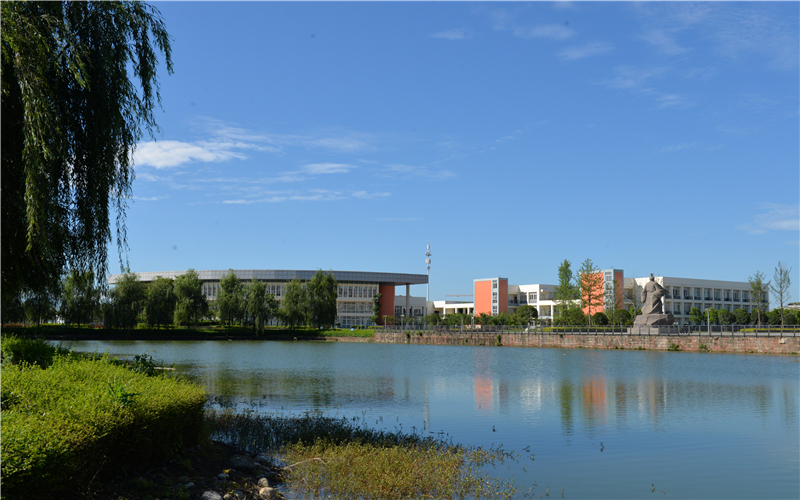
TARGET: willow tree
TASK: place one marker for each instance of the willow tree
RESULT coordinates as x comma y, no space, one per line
79,86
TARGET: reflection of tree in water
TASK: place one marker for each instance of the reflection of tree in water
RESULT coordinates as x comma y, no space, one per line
565,399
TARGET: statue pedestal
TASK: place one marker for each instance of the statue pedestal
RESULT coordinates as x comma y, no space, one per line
655,330
654,320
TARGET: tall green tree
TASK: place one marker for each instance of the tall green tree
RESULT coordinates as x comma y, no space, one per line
230,298
696,316
160,299
294,305
780,286
79,84
566,292
591,288
190,305
260,306
526,315
376,308
80,297
322,291
127,300
40,307
758,295
742,317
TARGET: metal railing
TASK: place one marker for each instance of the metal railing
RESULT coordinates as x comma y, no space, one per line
694,330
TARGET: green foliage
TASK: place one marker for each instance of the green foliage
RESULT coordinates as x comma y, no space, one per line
159,306
376,308
432,319
591,287
294,304
351,461
566,291
230,299
80,298
40,307
725,317
623,317
742,317
673,347
570,316
696,316
79,82
322,291
80,417
260,306
190,305
17,350
526,315
127,301
780,286
600,319
712,315
758,295
703,348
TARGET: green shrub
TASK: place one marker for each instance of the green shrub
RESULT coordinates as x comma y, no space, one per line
673,346
17,350
65,424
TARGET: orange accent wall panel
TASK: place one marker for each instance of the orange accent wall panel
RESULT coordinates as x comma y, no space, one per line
387,301
620,286
483,297
601,307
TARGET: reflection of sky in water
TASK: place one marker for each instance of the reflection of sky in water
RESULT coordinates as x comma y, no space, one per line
695,425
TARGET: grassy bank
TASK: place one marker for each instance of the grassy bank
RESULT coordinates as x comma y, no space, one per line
57,332
70,419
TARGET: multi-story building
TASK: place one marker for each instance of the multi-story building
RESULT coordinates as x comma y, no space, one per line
356,289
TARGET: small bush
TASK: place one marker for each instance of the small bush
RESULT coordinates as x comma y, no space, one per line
17,350
673,347
703,348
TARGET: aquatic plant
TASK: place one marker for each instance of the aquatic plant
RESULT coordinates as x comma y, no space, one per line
344,459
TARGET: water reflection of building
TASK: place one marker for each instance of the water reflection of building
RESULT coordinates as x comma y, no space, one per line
483,393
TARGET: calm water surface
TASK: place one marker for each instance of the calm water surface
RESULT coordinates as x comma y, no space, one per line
601,424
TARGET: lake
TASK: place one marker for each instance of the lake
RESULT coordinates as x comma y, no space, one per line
588,423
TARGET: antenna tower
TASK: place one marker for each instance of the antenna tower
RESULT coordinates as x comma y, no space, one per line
428,265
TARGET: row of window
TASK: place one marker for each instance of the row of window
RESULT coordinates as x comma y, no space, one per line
675,307
356,291
415,311
689,293
354,307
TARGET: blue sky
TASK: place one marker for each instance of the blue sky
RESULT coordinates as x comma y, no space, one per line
652,137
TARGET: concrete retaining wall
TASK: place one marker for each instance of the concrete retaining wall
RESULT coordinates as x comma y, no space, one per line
764,345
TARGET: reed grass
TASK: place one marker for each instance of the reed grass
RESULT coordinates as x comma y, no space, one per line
331,458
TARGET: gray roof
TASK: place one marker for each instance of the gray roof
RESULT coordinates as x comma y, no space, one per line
288,275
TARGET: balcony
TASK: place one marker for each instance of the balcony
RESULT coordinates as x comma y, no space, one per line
717,299
696,297
727,299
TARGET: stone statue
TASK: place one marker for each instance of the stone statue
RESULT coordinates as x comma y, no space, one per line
652,293
652,306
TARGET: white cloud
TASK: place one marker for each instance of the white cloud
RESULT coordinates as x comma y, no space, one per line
410,171
454,34
778,217
638,81
551,31
327,168
664,42
368,196
166,154
672,149
151,198
585,50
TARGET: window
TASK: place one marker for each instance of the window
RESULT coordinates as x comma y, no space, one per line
532,297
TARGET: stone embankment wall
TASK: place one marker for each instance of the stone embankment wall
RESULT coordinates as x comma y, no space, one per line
763,345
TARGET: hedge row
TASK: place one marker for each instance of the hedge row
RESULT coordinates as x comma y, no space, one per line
66,424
